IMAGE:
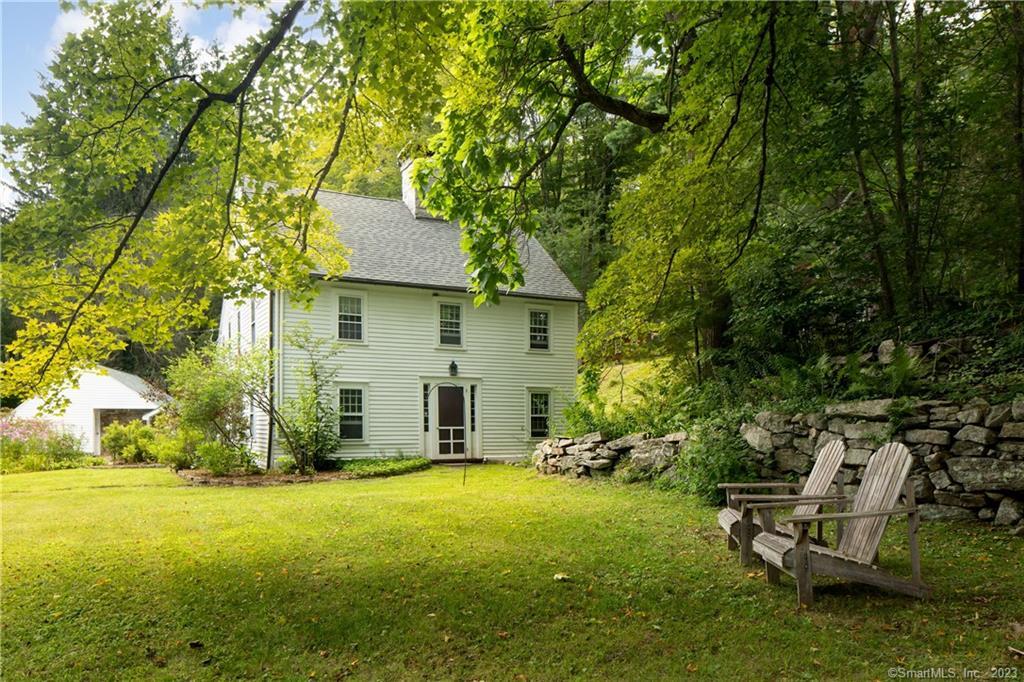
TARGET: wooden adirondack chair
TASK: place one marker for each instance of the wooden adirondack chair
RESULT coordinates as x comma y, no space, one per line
737,518
856,556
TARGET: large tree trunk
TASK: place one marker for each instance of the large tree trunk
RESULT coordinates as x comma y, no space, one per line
714,315
920,96
1018,137
862,28
902,203
877,251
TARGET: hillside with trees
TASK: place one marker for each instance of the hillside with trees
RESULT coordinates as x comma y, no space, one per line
740,189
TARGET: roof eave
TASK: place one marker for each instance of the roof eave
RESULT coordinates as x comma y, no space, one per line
440,287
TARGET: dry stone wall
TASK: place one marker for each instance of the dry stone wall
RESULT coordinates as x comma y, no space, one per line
635,457
968,458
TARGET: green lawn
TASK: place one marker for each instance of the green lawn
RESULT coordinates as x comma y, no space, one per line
111,574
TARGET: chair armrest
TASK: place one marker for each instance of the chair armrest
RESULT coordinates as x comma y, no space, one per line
841,516
792,500
741,486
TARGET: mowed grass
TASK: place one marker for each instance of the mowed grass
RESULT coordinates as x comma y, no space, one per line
112,574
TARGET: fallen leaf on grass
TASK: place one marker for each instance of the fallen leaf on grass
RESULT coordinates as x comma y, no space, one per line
561,577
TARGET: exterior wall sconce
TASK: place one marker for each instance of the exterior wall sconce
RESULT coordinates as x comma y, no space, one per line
453,369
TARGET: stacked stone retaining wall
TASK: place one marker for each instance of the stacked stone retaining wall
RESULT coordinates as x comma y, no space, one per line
968,457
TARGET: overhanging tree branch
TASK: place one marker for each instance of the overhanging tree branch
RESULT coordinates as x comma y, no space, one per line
285,22
740,89
655,121
321,175
555,140
762,171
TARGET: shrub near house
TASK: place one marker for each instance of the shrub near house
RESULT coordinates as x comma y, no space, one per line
131,442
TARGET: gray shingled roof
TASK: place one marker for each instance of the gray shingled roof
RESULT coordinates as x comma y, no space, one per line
390,246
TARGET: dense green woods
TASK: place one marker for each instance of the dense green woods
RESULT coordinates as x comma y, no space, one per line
827,175
741,187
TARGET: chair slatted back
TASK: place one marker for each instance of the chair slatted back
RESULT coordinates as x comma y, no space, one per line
880,489
824,472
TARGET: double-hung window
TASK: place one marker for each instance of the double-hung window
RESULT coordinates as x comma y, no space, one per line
540,414
351,413
540,330
450,316
350,318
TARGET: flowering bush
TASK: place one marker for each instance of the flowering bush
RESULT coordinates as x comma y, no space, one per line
38,445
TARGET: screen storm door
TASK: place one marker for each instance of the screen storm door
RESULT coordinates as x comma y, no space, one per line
451,421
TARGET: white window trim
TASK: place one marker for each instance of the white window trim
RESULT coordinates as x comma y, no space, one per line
529,409
252,322
350,293
365,388
472,410
437,325
252,424
474,439
551,316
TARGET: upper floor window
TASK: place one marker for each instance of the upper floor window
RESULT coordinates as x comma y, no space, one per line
350,318
451,324
351,413
252,323
540,414
540,329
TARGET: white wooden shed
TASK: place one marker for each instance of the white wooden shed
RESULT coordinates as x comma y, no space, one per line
103,396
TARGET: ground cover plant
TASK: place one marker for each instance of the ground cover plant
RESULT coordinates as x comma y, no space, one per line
421,576
384,466
285,471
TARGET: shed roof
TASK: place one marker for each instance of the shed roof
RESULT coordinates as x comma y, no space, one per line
133,382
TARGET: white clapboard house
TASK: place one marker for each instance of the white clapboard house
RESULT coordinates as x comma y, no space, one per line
101,397
422,370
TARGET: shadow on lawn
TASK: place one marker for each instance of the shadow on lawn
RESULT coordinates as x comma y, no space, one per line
419,583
